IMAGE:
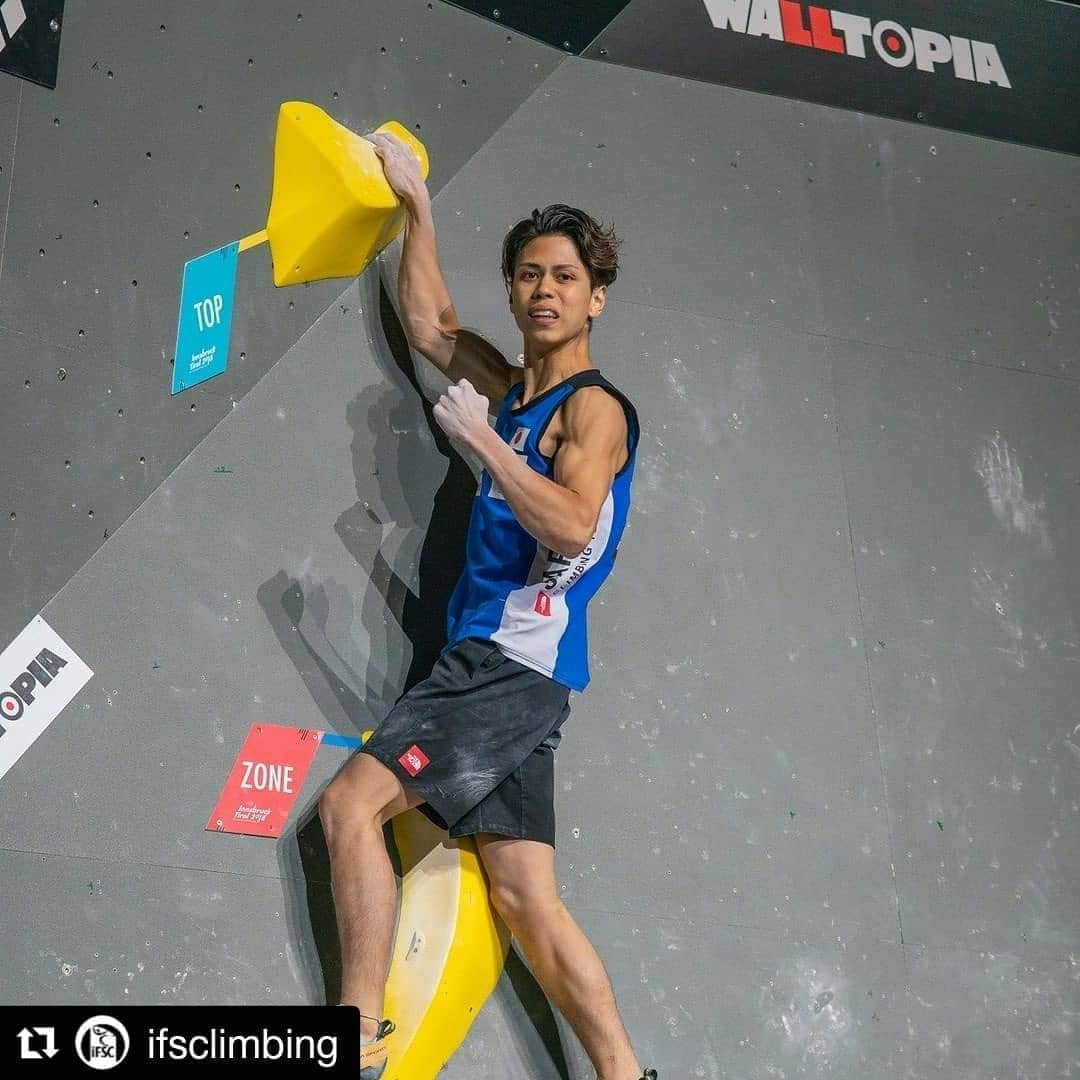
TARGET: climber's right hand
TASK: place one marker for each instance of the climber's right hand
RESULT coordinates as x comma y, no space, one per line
400,165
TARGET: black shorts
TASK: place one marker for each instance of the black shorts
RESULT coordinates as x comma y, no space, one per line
476,740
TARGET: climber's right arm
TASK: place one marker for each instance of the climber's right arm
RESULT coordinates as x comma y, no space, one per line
431,322
427,312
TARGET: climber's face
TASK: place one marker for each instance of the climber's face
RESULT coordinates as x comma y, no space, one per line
551,296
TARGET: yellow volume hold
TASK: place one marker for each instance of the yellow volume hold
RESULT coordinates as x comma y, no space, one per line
331,208
450,948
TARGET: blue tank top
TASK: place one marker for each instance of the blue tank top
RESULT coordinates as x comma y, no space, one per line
516,592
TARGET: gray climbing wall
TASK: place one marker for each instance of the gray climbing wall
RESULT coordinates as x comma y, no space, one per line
818,808
156,147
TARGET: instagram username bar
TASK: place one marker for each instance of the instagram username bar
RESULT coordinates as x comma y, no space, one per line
169,1040
219,1045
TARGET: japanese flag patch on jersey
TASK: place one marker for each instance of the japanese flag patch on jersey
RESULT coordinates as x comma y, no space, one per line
517,444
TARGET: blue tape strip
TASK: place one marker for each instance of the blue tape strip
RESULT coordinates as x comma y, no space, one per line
346,741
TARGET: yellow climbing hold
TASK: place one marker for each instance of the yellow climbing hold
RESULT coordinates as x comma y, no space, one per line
449,949
331,210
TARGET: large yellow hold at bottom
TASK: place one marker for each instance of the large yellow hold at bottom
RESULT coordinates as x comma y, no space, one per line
449,948
332,210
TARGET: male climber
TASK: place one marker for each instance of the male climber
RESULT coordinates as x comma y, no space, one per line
473,745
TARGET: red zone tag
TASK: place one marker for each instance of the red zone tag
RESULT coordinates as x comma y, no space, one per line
265,780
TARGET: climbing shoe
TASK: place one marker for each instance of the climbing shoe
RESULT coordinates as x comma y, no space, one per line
649,1074
373,1052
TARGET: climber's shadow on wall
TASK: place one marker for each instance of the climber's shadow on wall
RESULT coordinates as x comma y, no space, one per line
396,440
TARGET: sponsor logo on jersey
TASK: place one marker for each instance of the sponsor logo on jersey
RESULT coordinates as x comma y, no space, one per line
543,604
558,565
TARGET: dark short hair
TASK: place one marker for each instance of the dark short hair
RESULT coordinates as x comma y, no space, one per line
598,248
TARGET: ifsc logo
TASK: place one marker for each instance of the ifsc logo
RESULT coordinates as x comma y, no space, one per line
102,1042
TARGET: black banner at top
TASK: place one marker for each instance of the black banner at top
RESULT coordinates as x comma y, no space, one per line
567,24
997,68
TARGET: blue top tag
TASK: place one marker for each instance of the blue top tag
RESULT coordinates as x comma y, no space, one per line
206,307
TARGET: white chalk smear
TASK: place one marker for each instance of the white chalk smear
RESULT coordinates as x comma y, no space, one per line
1004,481
989,594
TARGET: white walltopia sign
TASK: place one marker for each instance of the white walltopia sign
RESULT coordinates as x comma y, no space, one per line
1002,69
39,675
842,32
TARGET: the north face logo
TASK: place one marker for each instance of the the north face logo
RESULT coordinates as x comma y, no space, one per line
413,760
543,604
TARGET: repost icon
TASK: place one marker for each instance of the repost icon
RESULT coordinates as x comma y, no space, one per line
26,1036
